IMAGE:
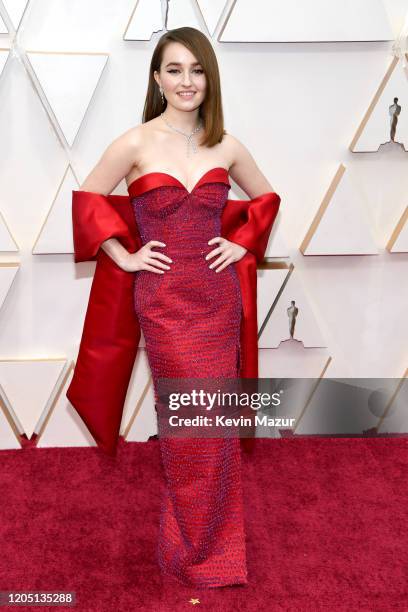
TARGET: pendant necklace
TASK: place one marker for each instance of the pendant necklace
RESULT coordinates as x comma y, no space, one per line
188,136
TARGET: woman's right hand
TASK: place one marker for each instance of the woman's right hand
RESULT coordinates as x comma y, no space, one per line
147,259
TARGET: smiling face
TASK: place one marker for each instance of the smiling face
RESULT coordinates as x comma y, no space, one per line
182,77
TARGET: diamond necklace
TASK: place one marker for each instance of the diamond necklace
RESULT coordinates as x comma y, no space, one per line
188,136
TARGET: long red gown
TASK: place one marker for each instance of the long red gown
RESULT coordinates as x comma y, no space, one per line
190,317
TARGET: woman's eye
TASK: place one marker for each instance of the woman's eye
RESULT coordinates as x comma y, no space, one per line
199,70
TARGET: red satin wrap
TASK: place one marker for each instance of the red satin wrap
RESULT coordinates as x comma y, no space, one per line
111,332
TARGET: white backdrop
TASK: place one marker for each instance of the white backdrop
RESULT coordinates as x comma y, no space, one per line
295,105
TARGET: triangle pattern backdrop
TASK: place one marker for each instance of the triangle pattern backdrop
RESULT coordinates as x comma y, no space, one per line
314,20
139,416
269,284
15,10
146,18
307,329
182,13
63,426
375,128
8,438
7,242
211,11
395,417
40,381
8,271
4,54
276,243
3,27
340,226
398,242
53,236
294,358
68,97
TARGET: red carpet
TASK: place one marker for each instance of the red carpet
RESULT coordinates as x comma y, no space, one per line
326,521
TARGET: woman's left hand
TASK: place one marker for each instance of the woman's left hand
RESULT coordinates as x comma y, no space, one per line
228,252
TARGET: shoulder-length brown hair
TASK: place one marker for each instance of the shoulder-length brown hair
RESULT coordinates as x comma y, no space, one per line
210,110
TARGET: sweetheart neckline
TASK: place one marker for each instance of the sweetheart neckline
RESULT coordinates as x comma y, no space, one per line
139,178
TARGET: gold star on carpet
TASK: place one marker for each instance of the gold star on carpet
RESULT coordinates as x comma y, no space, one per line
194,601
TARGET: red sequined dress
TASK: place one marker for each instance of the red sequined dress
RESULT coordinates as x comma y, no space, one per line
190,317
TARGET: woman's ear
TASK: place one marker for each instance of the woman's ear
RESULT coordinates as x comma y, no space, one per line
156,77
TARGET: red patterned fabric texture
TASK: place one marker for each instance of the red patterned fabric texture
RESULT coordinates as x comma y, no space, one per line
190,317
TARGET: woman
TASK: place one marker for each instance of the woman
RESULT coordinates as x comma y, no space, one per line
186,290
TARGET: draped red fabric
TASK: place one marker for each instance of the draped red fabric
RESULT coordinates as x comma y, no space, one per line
111,331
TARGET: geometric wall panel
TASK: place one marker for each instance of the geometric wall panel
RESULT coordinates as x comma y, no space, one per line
292,360
139,415
306,20
8,271
386,120
291,322
144,424
146,18
400,45
8,432
7,242
4,53
276,246
3,27
68,81
63,426
183,13
55,235
211,11
269,283
398,243
340,226
15,10
27,402
150,16
394,418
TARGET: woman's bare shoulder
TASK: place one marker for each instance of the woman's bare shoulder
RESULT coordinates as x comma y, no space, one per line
234,148
127,146
133,136
232,143
136,137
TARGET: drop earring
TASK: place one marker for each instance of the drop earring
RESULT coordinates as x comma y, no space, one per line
162,97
